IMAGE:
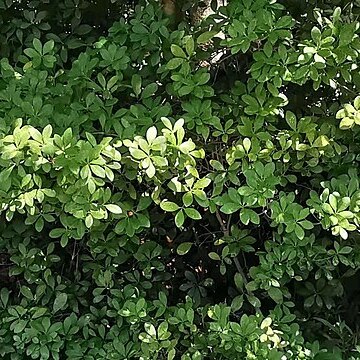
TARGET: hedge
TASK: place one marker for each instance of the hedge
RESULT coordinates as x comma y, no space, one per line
179,190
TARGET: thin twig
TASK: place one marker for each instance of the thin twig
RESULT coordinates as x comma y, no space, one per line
221,221
241,271
226,231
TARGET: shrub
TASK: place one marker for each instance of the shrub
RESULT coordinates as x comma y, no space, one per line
187,193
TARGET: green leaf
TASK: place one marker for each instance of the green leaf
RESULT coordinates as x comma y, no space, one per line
299,232
254,301
136,84
316,34
237,303
98,171
39,312
217,165
346,34
162,332
144,203
60,302
89,221
151,134
179,218
174,63
150,329
346,250
149,91
48,47
37,45
56,233
308,225
239,281
276,294
20,326
171,354
230,208
346,123
184,248
321,141
26,292
4,296
268,49
206,37
192,213
187,198
189,45
214,256
291,120
115,209
357,103
178,51
169,206
333,201
137,154
251,101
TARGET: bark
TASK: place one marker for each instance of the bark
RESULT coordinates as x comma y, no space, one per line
201,11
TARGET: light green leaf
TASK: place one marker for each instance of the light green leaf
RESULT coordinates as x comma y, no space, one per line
189,45
192,213
97,170
321,141
171,354
230,208
115,209
291,120
174,63
346,123
187,198
150,171
178,51
150,329
151,134
247,144
316,34
217,165
179,218
169,206
357,103
89,221
184,248
137,154
214,256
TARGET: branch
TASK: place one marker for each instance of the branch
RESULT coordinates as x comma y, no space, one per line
226,230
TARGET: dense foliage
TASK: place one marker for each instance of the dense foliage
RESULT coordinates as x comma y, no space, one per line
179,191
